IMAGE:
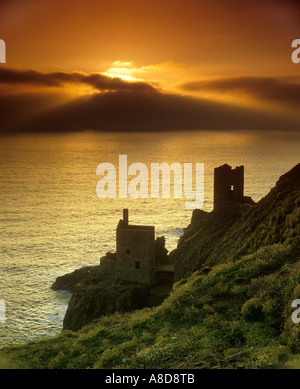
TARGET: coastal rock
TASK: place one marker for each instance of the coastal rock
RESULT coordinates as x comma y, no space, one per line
88,275
95,295
88,303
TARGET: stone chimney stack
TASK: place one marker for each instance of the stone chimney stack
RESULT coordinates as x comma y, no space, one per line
125,216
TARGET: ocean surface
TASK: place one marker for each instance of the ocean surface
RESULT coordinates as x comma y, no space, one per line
52,221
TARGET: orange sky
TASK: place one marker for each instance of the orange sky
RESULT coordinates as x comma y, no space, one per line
232,52
214,36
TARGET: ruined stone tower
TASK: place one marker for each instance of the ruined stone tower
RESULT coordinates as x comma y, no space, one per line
228,185
135,255
229,199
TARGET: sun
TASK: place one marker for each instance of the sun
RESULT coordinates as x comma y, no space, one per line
123,70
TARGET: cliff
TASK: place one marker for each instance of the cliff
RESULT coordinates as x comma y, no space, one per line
230,308
105,298
90,300
95,295
274,219
90,275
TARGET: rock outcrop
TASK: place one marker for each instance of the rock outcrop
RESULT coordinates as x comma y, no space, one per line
105,298
95,295
88,275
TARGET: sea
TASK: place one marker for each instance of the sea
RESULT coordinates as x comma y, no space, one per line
52,221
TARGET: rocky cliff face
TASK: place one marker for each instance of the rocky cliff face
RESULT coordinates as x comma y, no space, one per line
88,303
95,295
89,275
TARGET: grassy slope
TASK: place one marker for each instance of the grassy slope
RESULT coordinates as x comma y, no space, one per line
237,315
275,219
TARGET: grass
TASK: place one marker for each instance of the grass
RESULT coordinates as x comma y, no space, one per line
238,315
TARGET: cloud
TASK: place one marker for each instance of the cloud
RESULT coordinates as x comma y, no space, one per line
127,106
281,89
97,81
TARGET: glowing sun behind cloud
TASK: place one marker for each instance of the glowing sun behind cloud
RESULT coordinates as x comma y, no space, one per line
124,70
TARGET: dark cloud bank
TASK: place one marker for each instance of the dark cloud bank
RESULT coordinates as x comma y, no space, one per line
281,89
118,105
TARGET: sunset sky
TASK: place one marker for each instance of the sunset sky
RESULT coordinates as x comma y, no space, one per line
149,65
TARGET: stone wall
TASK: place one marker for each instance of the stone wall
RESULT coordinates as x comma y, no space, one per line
108,267
136,254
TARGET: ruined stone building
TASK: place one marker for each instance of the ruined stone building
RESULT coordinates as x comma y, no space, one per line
228,185
229,199
134,259
135,256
